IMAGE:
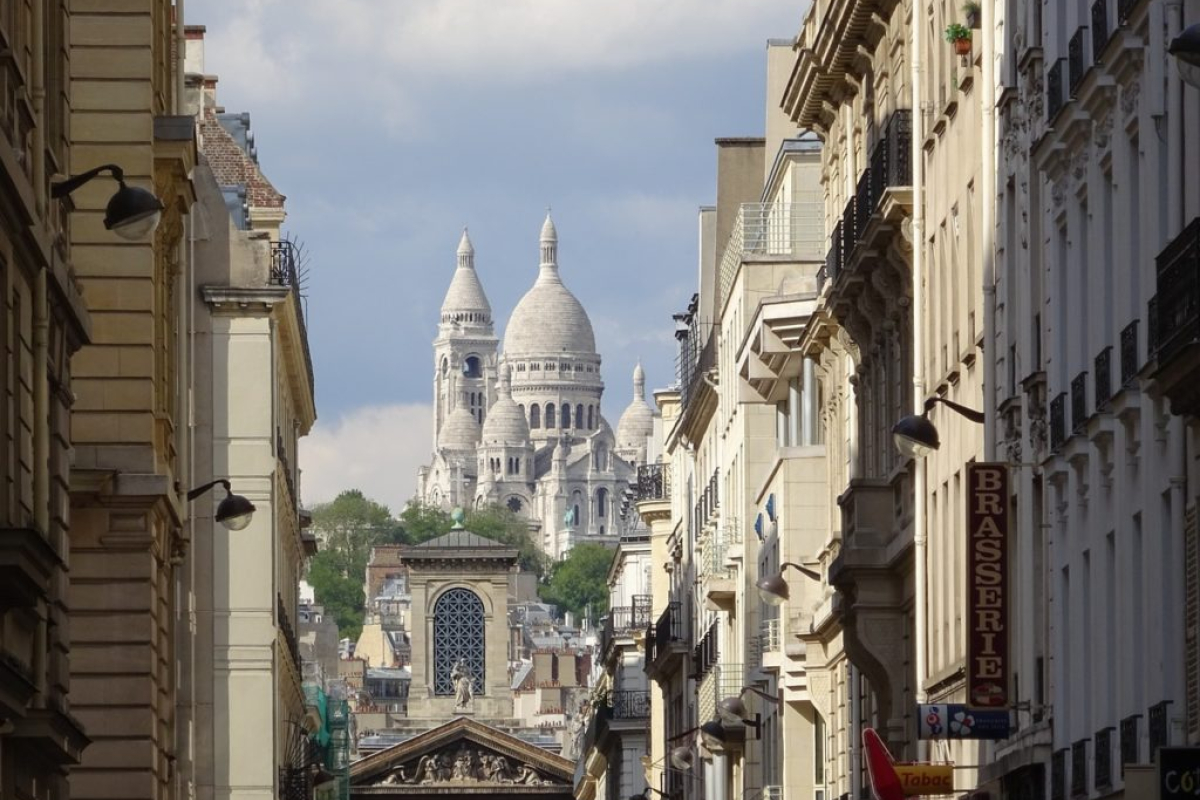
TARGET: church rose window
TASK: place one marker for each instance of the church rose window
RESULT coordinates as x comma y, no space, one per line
514,505
458,632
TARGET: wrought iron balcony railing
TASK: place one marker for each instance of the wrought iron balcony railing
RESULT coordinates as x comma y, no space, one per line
1102,390
1125,10
1129,741
654,482
891,160
1158,727
864,200
1104,758
289,633
668,629
285,271
1178,292
1076,64
1055,89
1129,354
1100,29
1079,416
771,230
1058,421
630,704
833,258
706,653
772,638
848,231
1058,775
1079,786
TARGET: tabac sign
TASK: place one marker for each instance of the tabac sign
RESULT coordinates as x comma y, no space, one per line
987,585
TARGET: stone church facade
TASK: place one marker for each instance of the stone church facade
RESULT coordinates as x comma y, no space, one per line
521,426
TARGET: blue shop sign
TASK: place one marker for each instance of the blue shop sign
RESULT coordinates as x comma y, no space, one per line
958,721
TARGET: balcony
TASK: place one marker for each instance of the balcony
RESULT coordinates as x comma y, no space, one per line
286,271
706,654
1104,759
27,562
622,622
1055,90
1079,416
1158,727
1129,355
667,641
1102,391
716,577
1176,326
289,633
653,482
1100,29
1076,60
1079,784
1058,775
1129,741
724,680
771,232
833,259
1058,421
630,705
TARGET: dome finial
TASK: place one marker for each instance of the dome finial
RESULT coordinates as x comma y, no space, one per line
504,382
549,245
466,251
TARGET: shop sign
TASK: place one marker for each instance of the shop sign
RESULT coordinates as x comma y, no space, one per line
919,779
957,721
1178,773
987,585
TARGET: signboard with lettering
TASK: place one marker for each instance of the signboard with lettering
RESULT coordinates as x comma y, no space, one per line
987,585
1178,772
918,779
957,721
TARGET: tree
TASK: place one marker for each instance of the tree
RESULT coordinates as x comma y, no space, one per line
579,583
422,522
348,528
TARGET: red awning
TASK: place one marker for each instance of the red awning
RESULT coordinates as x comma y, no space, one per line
885,783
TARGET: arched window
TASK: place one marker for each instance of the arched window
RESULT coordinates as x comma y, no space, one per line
579,416
458,633
445,366
535,416
549,415
566,415
601,502
590,425
472,367
601,458
575,516
517,466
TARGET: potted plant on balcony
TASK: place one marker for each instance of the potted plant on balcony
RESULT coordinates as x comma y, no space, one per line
960,37
973,14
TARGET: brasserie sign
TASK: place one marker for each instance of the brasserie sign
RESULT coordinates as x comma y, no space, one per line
987,584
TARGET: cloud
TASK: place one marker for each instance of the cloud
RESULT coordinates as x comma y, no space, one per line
375,449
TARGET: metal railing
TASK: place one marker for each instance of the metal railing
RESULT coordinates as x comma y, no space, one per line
1058,775
1102,390
891,160
289,633
1125,10
1129,354
285,271
1076,63
706,652
724,680
630,704
1158,727
833,258
1079,786
772,637
771,230
1055,96
713,547
1100,29
1079,415
668,628
1152,331
1058,421
1129,741
1104,758
1178,292
653,482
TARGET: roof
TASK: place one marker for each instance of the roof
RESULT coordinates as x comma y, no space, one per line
460,544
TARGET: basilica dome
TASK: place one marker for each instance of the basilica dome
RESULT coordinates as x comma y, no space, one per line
460,431
505,423
549,319
637,422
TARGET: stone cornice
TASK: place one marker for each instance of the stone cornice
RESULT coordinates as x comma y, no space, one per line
235,298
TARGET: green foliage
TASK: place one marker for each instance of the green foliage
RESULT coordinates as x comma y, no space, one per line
955,31
580,580
971,7
349,527
423,522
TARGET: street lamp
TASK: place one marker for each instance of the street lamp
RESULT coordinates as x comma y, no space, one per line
917,437
732,710
234,512
773,589
132,213
682,758
1186,49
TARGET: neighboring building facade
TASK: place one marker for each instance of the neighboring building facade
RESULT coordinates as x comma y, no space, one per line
524,429
43,323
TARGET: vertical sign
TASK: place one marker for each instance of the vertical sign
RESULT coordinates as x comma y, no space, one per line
987,585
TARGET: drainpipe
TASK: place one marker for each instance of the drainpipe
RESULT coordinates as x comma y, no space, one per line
990,163
1173,10
918,346
855,734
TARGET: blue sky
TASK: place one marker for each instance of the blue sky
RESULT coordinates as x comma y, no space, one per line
391,124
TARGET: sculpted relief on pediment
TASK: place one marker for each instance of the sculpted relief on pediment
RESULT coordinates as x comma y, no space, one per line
463,764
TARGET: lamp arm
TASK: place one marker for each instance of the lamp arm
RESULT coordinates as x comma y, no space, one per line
816,576
199,490
64,188
760,693
969,413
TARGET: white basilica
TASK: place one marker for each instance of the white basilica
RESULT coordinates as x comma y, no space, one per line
524,428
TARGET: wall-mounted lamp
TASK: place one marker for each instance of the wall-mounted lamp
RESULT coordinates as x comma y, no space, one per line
773,589
132,213
682,757
917,437
731,711
1186,49
234,512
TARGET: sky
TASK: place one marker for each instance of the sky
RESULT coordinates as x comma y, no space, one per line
392,124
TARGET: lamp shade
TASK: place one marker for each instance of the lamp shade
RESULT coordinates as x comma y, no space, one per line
682,758
732,710
712,733
132,213
773,589
235,512
915,436
1186,49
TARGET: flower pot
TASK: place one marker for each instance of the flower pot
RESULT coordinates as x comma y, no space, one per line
962,47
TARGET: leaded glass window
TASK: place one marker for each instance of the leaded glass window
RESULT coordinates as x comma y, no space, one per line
457,633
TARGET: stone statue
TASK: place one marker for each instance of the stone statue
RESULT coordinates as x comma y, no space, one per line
461,678
426,770
463,767
528,775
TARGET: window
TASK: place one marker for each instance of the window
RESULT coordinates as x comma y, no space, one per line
514,505
601,502
472,367
458,633
579,416
590,426
549,415
566,415
535,416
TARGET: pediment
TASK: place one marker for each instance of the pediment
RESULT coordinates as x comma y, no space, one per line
463,755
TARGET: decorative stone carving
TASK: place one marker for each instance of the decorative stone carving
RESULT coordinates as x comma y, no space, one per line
1102,132
464,765
1129,97
1058,193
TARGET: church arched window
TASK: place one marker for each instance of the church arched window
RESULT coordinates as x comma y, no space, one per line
458,633
566,415
601,502
445,366
601,460
579,416
549,415
590,425
535,416
472,367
